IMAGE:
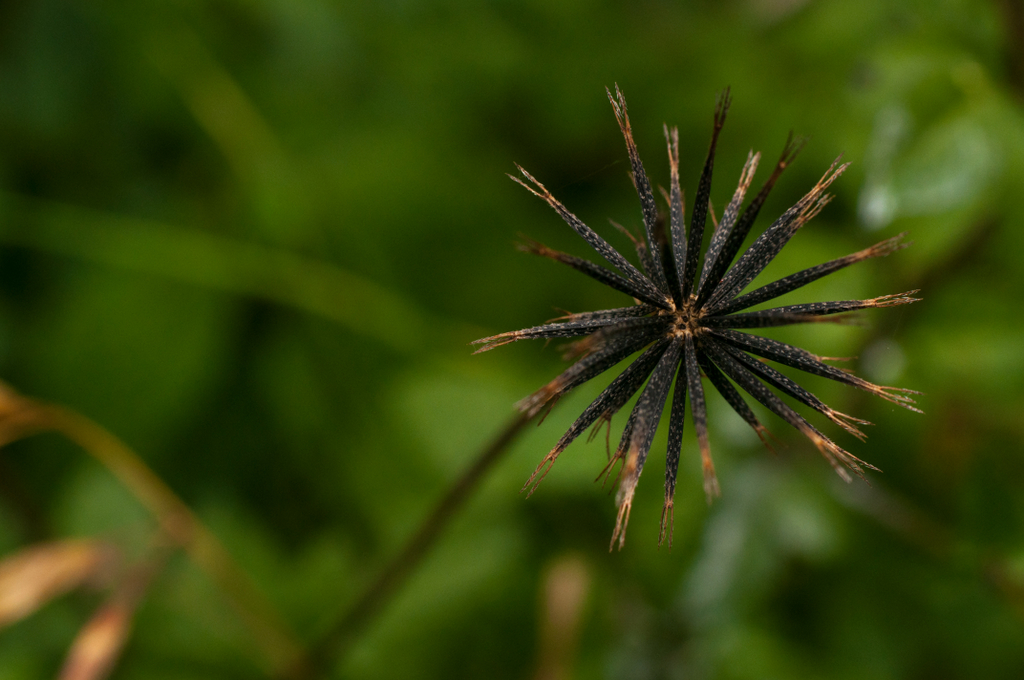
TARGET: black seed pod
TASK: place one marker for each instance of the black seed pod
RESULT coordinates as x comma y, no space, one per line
686,323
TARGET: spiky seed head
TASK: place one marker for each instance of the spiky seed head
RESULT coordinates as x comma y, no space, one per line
684,325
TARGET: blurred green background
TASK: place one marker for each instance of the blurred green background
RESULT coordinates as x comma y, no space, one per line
254,239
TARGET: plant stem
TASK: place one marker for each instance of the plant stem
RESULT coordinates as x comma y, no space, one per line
340,636
22,417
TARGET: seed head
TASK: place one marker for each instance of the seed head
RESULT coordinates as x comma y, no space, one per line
685,325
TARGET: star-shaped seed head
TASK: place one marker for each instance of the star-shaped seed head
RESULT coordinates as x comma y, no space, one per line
685,325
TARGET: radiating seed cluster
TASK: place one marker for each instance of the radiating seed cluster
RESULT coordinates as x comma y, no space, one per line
687,324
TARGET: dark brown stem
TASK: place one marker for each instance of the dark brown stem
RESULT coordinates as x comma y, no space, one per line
337,640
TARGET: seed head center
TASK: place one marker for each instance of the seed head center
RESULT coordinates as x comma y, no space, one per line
686,319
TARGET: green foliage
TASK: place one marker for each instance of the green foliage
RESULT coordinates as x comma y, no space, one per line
254,240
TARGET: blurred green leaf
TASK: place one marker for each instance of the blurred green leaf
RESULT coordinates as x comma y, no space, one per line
254,239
